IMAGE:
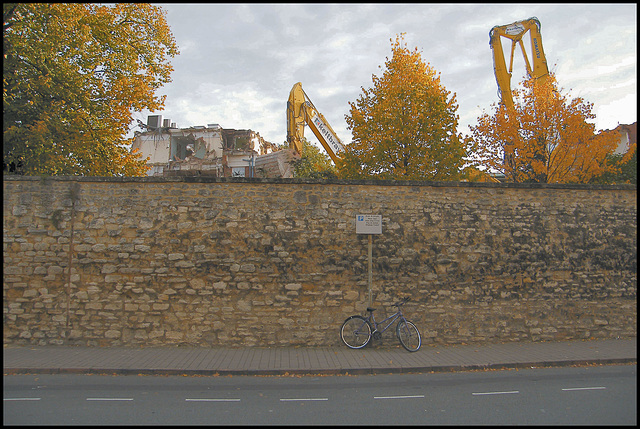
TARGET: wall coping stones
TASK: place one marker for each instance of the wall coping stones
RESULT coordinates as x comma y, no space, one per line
283,181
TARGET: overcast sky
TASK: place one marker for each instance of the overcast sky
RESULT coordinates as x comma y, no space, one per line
238,62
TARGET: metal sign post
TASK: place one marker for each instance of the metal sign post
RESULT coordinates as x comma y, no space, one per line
369,280
369,224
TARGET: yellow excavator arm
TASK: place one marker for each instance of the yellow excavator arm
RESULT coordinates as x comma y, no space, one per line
301,111
515,32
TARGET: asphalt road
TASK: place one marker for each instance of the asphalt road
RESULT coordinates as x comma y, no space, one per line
599,395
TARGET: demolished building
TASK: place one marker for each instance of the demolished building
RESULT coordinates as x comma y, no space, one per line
209,150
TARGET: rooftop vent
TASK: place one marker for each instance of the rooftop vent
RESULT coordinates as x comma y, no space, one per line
154,121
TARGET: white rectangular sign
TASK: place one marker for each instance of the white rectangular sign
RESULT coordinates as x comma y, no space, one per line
368,224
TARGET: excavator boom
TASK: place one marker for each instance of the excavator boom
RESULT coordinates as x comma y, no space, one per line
301,111
515,33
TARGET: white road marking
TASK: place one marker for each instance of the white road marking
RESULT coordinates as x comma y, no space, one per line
212,400
20,399
511,392
584,388
399,397
303,399
109,399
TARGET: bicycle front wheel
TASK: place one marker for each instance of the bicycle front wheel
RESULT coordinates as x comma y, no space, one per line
408,335
355,332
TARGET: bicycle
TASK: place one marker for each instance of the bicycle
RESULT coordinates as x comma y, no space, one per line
357,331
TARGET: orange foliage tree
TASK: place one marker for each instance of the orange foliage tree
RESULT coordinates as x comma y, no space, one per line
545,139
73,74
404,128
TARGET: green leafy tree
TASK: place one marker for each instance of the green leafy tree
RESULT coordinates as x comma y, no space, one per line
73,75
404,128
624,168
313,163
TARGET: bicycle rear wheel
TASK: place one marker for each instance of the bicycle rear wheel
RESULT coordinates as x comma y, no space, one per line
408,335
355,332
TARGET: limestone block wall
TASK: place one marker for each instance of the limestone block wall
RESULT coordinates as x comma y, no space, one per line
274,262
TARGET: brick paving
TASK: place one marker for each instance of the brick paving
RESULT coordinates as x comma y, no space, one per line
328,360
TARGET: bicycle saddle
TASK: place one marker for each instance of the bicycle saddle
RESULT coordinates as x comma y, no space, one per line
371,309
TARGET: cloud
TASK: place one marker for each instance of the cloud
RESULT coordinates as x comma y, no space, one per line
238,62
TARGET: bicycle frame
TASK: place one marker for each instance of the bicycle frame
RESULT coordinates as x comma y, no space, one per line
395,316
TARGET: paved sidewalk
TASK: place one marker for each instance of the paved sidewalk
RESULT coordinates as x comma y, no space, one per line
327,360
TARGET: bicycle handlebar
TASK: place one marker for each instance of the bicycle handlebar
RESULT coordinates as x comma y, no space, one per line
402,301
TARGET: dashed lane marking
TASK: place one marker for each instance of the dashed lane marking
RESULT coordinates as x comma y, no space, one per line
399,397
510,392
109,399
212,400
20,399
584,388
303,399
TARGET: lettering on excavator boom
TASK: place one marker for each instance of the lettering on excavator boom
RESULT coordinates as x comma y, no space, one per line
535,47
336,146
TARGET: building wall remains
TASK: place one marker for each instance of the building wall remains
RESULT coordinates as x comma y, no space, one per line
209,151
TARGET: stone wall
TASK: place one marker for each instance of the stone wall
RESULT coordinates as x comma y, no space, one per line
267,262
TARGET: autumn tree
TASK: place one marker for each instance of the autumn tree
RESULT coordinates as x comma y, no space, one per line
313,163
545,138
404,128
73,74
